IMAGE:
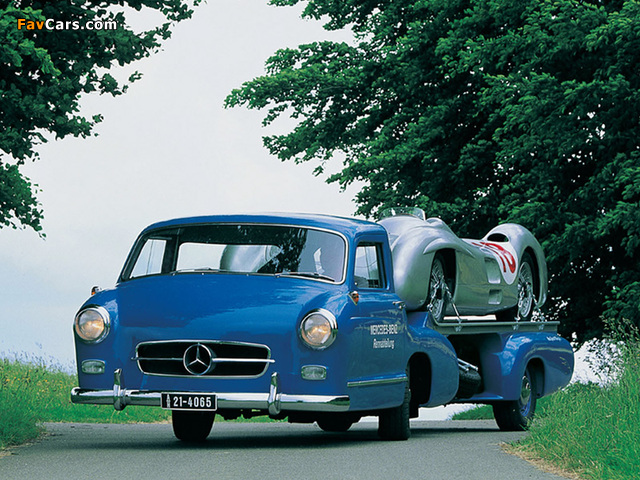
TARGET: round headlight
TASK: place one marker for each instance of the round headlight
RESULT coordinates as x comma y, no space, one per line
318,329
92,324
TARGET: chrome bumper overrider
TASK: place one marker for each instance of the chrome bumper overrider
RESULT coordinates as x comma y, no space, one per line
274,401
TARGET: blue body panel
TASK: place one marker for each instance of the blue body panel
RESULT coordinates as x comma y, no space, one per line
505,357
368,361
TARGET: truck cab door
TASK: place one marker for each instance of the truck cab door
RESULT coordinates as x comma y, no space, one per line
381,315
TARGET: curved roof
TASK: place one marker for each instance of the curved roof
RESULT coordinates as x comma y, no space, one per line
347,226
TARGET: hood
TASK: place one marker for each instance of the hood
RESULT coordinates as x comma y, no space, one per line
220,306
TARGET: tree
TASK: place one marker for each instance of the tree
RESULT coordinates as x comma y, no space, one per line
51,54
479,112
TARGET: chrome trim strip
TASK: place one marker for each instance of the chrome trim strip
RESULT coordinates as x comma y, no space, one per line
242,360
191,340
274,402
274,399
378,381
156,359
118,399
213,360
254,401
218,377
477,327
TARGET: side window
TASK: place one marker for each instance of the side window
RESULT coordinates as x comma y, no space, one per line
368,271
150,259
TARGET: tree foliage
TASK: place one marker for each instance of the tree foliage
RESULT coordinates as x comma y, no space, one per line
479,112
47,62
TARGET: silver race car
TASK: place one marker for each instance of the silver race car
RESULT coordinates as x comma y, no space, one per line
504,273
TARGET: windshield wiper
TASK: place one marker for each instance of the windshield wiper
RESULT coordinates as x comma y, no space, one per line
196,270
309,275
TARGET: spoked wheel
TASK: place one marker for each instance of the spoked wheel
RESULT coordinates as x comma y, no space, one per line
517,414
192,426
437,300
526,296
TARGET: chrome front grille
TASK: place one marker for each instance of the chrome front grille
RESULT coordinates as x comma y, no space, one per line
203,358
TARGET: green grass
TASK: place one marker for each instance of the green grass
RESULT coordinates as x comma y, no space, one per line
32,393
590,429
481,412
18,413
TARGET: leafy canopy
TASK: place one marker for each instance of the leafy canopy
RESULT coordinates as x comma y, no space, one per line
44,71
479,112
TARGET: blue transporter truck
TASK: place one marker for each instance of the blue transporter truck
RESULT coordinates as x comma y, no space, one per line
321,319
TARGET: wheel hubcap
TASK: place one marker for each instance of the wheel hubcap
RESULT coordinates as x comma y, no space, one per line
437,290
525,396
525,290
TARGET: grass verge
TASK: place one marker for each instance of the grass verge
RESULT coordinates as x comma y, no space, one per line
32,393
594,430
590,429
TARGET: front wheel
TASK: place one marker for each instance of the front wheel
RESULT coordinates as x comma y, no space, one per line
192,426
438,292
516,415
393,424
335,423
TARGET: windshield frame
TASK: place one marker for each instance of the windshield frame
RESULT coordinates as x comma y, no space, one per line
125,275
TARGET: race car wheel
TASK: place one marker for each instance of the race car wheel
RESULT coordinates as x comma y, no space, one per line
394,424
192,426
526,297
438,291
516,415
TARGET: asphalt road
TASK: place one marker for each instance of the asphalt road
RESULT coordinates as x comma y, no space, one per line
438,450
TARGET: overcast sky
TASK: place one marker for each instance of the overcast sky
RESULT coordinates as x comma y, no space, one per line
166,149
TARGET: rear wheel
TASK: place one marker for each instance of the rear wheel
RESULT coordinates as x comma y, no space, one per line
526,295
393,424
516,415
192,426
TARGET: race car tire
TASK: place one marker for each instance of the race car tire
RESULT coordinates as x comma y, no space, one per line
437,299
523,310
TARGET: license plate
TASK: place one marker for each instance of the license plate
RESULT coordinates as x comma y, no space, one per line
190,401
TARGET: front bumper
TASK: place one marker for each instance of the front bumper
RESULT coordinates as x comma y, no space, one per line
274,401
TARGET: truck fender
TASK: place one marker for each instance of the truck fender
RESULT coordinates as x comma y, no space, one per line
433,366
550,356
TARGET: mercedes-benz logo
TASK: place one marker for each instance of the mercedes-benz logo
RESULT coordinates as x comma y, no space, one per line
197,359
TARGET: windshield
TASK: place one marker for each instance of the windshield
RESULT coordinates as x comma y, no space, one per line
248,249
